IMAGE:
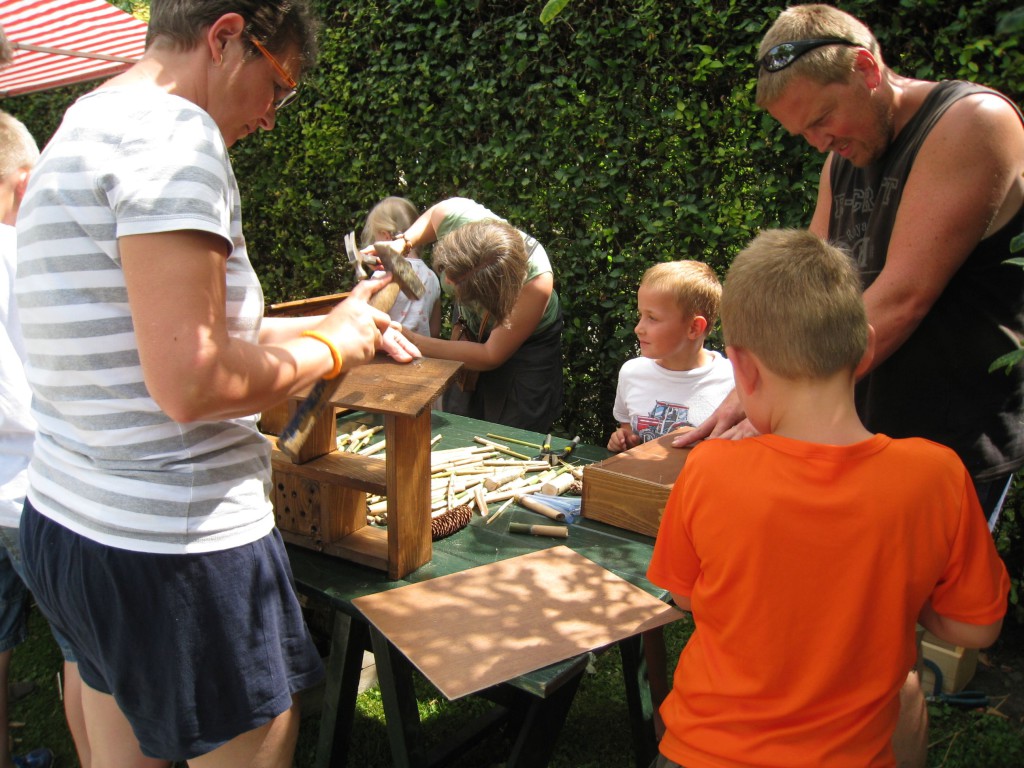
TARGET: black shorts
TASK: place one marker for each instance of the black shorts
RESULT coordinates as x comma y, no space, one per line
196,649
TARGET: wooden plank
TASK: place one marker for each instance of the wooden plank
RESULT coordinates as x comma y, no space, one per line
323,512
408,481
384,386
510,617
368,546
363,473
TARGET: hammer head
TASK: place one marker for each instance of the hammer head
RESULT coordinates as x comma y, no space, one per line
393,262
362,265
401,270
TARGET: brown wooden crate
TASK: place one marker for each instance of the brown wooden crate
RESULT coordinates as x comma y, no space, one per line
629,490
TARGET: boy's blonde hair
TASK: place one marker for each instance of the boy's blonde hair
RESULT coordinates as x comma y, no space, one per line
392,214
694,285
825,65
486,262
795,302
18,150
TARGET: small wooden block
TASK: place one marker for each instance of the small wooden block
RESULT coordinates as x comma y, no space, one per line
629,490
956,664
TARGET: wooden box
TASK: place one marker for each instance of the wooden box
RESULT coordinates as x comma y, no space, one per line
320,502
956,664
629,490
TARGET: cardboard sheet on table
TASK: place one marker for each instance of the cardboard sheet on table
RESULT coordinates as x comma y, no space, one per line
471,630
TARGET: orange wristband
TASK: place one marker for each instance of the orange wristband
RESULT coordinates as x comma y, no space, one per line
335,352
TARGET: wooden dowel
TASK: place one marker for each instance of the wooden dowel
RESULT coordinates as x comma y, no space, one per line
554,531
481,503
499,447
540,508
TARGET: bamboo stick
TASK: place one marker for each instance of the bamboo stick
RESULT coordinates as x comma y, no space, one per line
370,450
499,447
514,440
541,508
503,477
501,509
556,486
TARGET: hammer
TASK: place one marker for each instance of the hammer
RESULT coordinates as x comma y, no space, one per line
404,276
295,432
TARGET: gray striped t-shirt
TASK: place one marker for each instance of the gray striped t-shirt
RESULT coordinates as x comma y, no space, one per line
108,463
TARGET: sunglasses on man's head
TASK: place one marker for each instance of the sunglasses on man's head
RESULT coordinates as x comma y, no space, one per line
782,55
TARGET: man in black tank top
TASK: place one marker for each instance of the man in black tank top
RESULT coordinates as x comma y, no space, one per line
924,186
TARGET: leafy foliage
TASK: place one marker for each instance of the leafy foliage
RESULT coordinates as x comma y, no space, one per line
619,134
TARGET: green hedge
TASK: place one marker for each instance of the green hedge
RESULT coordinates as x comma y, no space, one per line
621,134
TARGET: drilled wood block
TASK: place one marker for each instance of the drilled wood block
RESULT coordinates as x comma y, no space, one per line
316,512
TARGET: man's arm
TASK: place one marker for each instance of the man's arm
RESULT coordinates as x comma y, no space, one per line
964,185
728,421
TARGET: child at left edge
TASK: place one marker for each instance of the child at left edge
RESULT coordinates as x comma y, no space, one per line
675,382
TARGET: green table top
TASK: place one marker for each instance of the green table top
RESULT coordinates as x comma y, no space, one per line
622,552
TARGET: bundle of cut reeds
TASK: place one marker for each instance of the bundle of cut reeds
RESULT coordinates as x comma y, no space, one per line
472,477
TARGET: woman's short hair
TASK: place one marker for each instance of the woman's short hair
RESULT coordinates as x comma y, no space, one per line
795,301
693,284
825,65
276,24
486,263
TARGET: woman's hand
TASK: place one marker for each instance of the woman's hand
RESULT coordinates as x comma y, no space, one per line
359,330
397,346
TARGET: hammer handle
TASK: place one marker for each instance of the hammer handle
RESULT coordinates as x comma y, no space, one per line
295,432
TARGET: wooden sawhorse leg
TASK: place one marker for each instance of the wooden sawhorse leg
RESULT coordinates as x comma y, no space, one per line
543,721
534,721
638,699
349,638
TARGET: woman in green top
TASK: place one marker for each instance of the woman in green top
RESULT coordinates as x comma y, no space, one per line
503,290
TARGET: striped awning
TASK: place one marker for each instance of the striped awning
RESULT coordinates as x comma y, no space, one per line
59,42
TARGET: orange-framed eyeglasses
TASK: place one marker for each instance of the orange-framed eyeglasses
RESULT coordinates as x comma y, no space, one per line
293,87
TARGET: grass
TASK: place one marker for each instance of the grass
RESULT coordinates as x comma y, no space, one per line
596,734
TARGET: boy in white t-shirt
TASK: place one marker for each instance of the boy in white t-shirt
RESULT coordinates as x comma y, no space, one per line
676,382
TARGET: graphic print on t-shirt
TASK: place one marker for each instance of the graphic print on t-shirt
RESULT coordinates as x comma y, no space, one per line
663,418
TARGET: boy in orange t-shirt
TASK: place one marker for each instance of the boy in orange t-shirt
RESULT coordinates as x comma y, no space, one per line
809,554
